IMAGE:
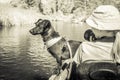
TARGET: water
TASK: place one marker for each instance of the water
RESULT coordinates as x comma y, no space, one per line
24,57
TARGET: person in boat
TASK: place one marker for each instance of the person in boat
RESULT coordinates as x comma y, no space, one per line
105,47
105,24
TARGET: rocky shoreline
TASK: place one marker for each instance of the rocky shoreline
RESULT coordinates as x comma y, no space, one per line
14,16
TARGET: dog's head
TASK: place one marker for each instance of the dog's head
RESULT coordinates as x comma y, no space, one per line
42,26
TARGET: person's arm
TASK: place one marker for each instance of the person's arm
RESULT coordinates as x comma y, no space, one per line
116,49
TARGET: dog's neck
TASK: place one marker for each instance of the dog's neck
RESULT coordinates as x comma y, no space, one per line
50,34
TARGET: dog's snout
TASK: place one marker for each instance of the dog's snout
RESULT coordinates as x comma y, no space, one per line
31,31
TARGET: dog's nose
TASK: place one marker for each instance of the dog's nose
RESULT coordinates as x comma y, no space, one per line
31,31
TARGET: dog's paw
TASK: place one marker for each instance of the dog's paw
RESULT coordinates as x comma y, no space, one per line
56,70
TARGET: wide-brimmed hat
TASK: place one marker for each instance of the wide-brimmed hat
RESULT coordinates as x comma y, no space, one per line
105,17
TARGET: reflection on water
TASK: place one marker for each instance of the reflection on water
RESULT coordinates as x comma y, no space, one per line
24,57
70,30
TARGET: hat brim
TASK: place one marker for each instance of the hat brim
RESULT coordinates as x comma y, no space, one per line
110,24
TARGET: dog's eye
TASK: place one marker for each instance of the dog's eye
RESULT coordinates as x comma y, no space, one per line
64,49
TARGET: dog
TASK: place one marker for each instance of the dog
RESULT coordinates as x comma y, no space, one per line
56,45
45,29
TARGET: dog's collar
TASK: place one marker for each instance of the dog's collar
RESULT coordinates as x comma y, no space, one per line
52,42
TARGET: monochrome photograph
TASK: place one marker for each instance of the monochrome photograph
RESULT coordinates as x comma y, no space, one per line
59,39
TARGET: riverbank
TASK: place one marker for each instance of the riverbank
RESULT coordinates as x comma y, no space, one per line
10,16
14,16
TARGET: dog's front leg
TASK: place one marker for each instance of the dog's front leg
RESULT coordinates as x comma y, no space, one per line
57,69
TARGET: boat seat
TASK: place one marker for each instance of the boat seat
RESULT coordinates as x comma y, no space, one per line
98,71
103,71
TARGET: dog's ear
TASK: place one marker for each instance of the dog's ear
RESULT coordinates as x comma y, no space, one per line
39,20
47,25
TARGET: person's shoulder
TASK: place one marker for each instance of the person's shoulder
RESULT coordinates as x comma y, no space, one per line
87,42
95,43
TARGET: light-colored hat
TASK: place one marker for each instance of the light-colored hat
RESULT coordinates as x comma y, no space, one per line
105,17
